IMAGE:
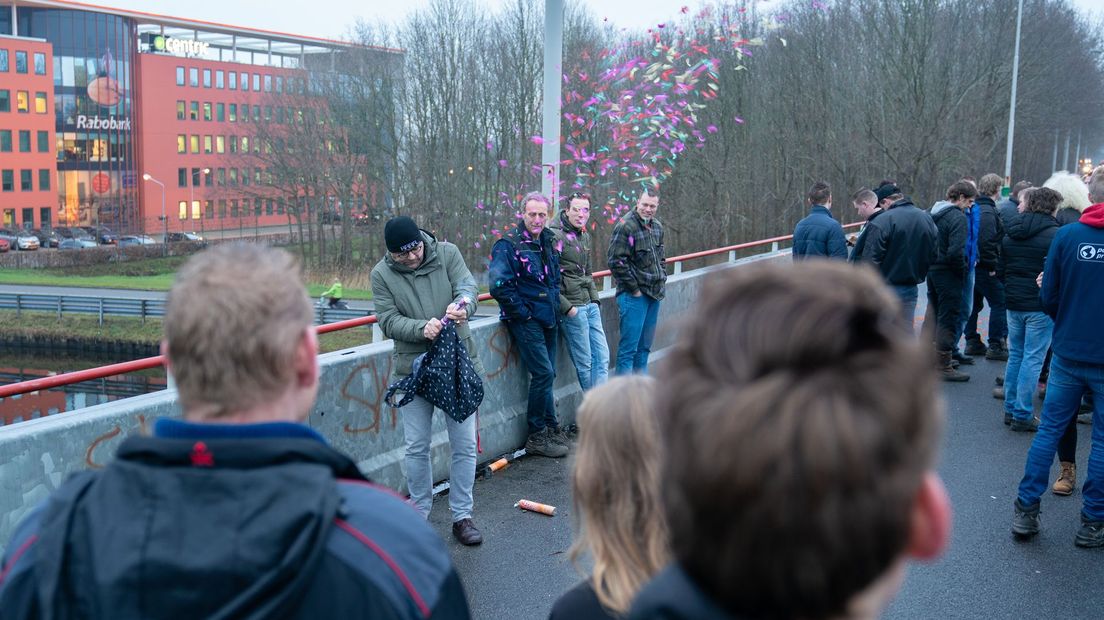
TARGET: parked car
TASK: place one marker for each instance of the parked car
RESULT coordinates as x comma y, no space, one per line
173,237
129,240
47,238
73,243
101,234
8,235
4,245
19,239
72,233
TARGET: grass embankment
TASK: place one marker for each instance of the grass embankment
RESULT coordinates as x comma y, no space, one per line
127,329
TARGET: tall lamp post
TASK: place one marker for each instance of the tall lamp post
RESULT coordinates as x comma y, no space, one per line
164,222
191,197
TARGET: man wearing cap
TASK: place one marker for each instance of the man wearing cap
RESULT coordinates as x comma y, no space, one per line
901,244
417,281
525,280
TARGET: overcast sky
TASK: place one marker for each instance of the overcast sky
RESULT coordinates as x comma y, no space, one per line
330,18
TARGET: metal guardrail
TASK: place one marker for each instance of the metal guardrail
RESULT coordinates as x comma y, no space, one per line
360,321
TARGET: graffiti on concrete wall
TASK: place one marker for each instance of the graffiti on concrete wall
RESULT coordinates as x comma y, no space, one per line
102,448
372,401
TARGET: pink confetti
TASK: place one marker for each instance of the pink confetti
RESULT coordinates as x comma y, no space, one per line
537,140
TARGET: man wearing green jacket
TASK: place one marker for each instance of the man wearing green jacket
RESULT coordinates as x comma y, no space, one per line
582,323
334,293
419,280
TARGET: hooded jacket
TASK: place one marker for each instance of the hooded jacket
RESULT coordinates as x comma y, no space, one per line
819,234
577,286
525,277
1072,292
405,300
1023,256
901,242
227,521
950,245
990,233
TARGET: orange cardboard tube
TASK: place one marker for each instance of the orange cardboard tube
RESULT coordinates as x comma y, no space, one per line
499,464
531,506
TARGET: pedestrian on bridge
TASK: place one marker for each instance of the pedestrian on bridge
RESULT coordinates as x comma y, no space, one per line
988,287
819,234
419,280
239,510
865,202
947,275
637,261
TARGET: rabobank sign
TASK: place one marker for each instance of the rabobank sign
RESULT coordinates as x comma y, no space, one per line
98,123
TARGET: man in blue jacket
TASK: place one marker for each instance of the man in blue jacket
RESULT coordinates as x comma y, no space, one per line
525,279
1072,295
239,510
819,234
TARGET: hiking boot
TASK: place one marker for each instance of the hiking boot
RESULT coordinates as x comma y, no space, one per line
975,347
997,352
962,359
541,443
1025,521
948,371
1066,481
1090,535
998,393
1007,419
465,531
559,435
1029,425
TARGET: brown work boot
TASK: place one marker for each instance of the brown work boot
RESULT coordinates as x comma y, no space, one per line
947,369
466,532
1066,481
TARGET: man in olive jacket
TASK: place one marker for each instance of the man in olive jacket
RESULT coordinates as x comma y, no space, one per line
419,280
582,323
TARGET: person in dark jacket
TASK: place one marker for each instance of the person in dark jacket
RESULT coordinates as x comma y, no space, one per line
1075,196
755,532
525,279
948,274
1009,208
239,510
419,280
819,234
865,202
638,264
901,244
1072,295
987,285
1023,255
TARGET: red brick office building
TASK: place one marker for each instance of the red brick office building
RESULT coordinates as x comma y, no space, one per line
118,117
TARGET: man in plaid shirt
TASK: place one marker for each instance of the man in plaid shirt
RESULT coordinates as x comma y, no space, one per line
637,262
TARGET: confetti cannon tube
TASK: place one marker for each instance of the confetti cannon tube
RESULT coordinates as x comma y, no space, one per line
532,506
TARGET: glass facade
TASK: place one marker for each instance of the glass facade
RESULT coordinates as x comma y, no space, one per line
93,76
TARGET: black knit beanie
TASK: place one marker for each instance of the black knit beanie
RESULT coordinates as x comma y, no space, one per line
401,234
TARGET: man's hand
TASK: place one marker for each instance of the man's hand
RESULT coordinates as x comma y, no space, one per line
572,312
432,329
1039,280
456,314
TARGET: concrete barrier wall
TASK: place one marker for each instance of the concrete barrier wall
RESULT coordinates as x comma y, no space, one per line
36,456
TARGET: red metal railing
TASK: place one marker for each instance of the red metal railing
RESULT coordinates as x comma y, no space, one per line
100,372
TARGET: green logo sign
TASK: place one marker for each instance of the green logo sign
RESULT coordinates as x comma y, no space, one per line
159,43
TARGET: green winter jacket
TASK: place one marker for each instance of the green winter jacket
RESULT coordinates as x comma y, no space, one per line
407,298
577,287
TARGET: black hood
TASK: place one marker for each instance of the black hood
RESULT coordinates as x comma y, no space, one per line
219,528
1027,225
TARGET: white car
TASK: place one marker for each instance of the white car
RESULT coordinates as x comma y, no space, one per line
24,240
129,240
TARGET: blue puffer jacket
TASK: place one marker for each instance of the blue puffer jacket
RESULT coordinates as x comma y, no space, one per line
819,234
525,277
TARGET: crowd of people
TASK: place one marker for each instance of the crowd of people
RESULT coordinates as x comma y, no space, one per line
789,476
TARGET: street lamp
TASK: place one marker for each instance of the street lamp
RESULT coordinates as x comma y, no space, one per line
164,221
191,196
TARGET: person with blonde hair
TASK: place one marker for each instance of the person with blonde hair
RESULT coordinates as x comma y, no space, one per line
616,489
1075,196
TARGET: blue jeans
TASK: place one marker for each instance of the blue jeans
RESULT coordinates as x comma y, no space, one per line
536,345
417,430
988,288
1028,340
638,323
907,294
967,305
1068,381
586,343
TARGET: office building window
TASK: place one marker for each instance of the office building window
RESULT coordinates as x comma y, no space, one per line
233,177
245,112
193,76
222,208
268,83
234,207
182,206
268,113
22,101
209,209
256,176
207,180
181,143
220,78
220,112
206,78
195,177
45,217
233,112
220,144
26,181
5,141
256,114
207,144
268,207
5,100
233,144
43,141
182,177
40,63
3,61
180,76
233,80
245,144
194,111
258,204
244,80
279,84
206,110
245,177
181,109
44,179
20,62
256,82
7,180
222,177
24,140
194,143
40,103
